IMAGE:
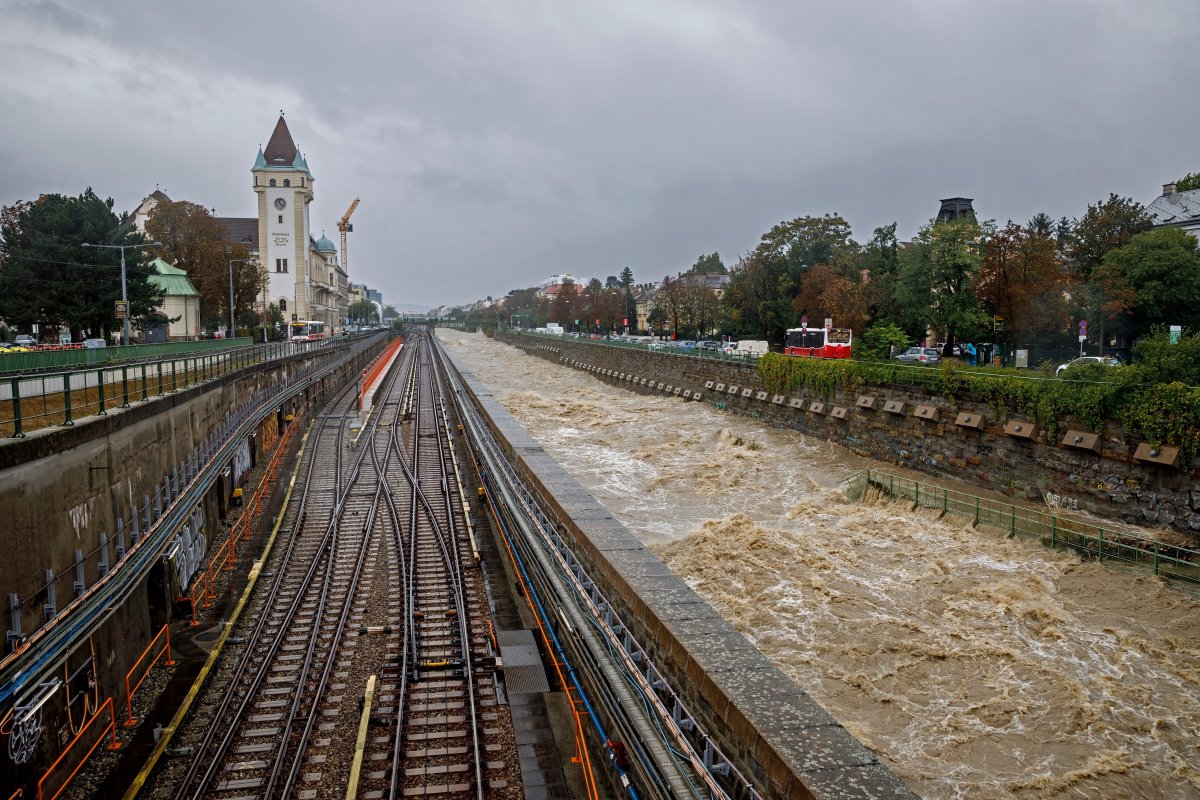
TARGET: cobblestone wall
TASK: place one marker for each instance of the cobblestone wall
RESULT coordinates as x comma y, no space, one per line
986,449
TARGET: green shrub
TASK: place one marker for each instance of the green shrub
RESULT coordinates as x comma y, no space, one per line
1161,413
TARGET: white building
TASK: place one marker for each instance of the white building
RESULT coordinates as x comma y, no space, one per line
1177,209
304,276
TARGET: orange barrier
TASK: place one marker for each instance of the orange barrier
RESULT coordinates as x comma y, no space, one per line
164,633
377,367
113,745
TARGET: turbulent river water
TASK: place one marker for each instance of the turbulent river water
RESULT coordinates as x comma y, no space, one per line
975,666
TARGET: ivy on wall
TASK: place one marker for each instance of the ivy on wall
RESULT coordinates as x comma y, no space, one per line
1160,413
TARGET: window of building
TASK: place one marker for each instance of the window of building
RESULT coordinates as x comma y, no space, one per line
287,182
281,265
272,182
282,304
281,219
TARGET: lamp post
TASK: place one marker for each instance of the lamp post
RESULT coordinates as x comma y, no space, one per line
232,328
124,294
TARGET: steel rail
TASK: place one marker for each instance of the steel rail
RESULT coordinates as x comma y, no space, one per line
613,653
221,714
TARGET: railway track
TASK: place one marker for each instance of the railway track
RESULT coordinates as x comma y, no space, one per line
377,576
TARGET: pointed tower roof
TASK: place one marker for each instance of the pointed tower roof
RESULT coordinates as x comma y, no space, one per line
281,149
261,161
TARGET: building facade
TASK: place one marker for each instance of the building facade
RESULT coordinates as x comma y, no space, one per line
1176,209
304,277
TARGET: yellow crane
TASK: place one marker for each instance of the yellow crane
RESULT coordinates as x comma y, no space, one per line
345,227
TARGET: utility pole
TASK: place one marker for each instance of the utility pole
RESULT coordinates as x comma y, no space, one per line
124,292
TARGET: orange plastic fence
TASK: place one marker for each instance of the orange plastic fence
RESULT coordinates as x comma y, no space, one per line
163,634
376,368
110,726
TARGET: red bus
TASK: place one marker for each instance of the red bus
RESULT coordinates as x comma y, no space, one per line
818,342
308,331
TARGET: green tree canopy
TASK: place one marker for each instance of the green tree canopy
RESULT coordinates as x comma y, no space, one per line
1159,273
938,273
46,276
1188,182
1105,226
710,264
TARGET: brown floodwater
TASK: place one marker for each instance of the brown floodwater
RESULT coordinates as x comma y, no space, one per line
975,665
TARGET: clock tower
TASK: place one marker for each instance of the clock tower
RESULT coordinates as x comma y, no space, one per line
284,187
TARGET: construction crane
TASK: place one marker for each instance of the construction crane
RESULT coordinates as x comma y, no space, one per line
345,227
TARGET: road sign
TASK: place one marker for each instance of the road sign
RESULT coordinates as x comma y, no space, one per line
1174,333
625,321
1083,327
829,323
122,309
804,322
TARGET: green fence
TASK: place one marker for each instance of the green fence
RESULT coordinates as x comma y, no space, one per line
42,399
50,359
1090,541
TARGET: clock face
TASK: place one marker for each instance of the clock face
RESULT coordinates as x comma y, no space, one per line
281,204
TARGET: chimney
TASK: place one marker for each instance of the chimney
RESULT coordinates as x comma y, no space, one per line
1168,188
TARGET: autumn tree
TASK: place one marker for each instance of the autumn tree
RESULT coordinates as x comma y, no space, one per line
566,305
827,293
196,242
47,277
1022,280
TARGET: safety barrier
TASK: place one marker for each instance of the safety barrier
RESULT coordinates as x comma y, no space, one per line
56,788
376,367
1090,541
164,633
29,402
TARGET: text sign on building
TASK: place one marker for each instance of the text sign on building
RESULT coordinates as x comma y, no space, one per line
121,309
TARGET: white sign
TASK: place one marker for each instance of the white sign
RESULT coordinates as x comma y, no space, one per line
829,323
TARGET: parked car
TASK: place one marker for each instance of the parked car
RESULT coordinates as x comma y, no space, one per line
685,345
919,355
94,343
24,340
708,345
1107,361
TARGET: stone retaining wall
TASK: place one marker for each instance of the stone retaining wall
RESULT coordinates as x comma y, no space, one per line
985,449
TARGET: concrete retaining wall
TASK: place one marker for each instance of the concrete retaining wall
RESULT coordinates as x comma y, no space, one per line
1109,482
778,736
60,488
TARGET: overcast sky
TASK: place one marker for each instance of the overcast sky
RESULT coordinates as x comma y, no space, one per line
496,143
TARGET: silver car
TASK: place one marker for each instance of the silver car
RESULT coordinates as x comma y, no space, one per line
1107,361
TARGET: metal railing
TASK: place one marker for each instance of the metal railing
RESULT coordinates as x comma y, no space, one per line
86,356
1088,540
29,402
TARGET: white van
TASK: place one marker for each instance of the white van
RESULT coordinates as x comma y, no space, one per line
751,347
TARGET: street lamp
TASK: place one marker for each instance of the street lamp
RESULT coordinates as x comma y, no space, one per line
232,328
124,294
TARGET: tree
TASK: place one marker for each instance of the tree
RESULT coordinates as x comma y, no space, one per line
627,293
1157,275
363,312
710,264
1188,182
1106,226
878,341
195,242
565,308
46,277
1022,280
827,294
938,273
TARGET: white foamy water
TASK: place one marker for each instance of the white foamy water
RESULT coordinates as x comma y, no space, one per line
975,665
